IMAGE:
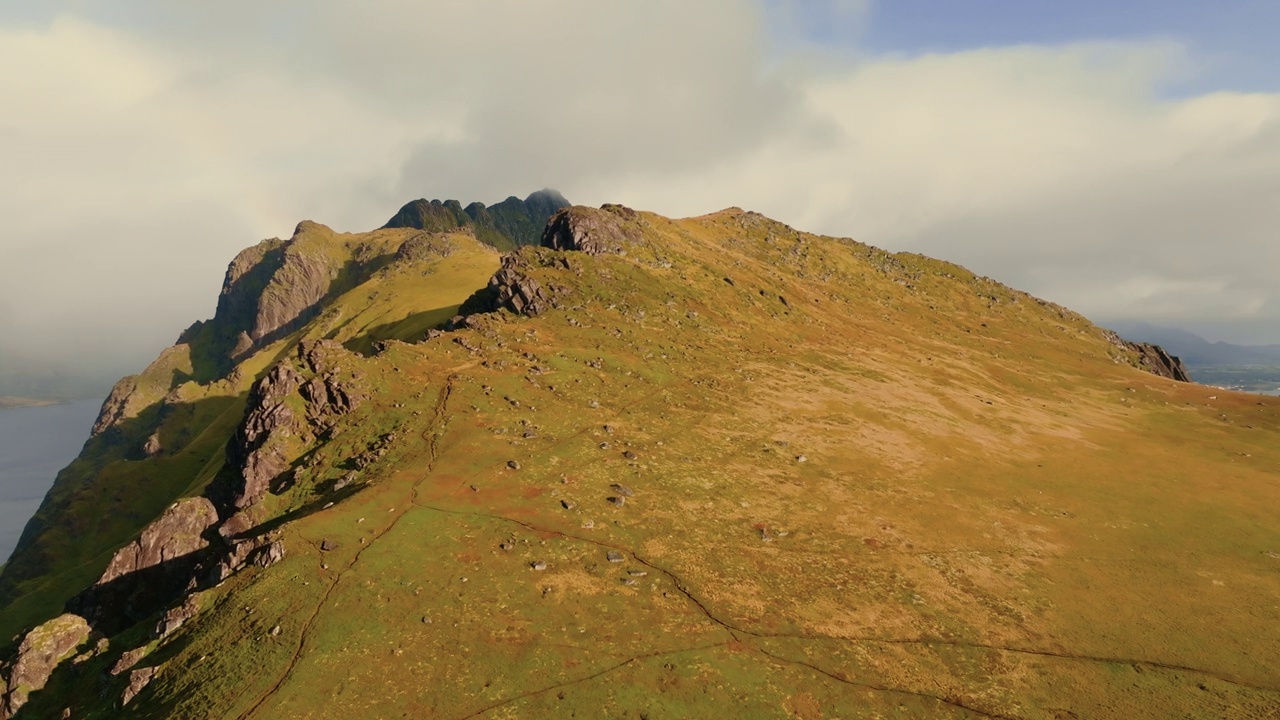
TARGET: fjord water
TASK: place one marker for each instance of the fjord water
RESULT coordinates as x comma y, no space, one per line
35,443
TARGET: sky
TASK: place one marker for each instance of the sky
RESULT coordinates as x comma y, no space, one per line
1122,159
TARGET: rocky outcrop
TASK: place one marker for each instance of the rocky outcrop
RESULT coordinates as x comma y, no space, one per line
270,289
1152,358
42,650
115,407
260,451
177,533
138,680
333,392
176,617
607,230
514,290
254,461
299,284
150,572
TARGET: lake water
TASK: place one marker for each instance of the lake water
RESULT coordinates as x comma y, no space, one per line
35,443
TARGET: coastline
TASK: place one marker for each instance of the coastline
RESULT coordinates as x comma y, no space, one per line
9,402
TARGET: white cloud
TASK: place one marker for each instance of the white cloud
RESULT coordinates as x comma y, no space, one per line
146,144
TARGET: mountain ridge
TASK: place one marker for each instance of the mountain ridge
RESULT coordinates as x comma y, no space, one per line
726,366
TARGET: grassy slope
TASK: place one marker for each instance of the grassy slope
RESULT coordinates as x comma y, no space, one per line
994,516
109,493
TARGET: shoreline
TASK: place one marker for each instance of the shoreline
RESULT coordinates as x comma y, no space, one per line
8,402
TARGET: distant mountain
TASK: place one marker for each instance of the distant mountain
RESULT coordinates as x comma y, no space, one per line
505,226
1195,351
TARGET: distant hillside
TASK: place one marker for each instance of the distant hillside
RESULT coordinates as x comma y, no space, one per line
505,226
1197,352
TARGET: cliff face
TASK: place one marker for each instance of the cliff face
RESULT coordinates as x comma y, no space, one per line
1152,358
649,463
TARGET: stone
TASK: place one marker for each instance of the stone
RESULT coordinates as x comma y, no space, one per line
567,504
614,556
607,230
507,546
513,289
152,446
270,555
128,660
138,680
178,532
538,565
274,631
801,458
175,617
622,490
513,464
629,455
617,500
40,652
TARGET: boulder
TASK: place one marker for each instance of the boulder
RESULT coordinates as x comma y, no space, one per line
178,532
40,652
138,679
595,232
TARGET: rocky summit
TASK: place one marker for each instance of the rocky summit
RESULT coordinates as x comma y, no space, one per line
639,467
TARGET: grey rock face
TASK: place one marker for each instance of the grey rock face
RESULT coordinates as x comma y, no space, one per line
177,533
1153,358
607,230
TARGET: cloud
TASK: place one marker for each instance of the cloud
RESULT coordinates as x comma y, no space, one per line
146,143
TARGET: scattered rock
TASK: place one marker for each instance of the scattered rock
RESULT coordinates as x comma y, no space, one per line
622,490
128,660
327,545
269,555
801,458
344,481
538,565
174,618
567,504
152,446
629,455
138,680
508,546
614,556
618,500
513,464
274,631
